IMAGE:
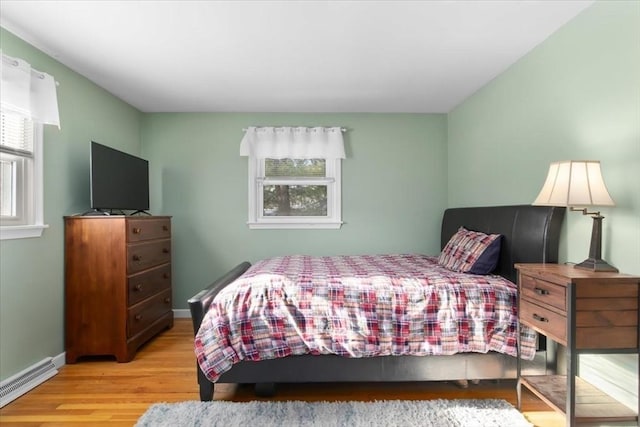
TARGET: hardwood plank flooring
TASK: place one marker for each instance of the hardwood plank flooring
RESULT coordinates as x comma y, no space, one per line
100,391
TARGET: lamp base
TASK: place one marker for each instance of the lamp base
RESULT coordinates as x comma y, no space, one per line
595,261
595,265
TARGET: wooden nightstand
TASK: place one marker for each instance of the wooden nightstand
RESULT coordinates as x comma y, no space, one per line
587,312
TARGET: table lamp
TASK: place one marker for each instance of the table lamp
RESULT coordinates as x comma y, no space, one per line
579,185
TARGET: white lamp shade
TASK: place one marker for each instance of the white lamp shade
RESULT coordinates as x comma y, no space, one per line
574,183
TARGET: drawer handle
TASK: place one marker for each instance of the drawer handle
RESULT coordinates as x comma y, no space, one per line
540,318
167,300
137,230
541,291
137,258
165,276
165,250
138,317
165,228
138,287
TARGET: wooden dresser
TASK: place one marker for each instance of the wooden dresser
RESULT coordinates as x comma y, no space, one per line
117,284
587,312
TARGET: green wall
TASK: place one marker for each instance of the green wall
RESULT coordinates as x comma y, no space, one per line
32,270
574,97
393,191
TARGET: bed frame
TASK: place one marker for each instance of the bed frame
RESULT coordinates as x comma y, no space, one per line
531,234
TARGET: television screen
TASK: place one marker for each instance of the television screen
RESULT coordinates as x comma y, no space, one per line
118,180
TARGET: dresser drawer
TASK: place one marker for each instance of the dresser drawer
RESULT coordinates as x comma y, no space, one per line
148,229
544,320
142,315
141,256
545,293
142,285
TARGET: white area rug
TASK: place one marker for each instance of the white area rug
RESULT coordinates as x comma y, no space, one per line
332,414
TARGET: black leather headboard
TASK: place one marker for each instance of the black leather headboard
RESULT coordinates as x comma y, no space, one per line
530,233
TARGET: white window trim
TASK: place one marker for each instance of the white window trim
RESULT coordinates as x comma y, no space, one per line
36,224
333,220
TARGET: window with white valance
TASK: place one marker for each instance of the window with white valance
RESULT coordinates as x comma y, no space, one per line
28,100
294,176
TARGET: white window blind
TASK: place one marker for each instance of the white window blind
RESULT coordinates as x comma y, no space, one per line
16,135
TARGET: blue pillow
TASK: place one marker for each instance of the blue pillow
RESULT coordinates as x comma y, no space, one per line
488,261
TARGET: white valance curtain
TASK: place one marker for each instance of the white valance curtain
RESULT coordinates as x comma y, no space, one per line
28,92
293,143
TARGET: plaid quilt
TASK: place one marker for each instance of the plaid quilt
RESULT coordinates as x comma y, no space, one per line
358,306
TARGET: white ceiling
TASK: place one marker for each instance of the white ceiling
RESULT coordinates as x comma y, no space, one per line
288,56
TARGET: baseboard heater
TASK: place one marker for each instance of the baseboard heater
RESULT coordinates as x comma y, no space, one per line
22,382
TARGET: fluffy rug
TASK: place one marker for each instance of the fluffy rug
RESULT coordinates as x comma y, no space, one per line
324,414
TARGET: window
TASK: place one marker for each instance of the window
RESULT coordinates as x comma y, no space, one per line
20,177
29,101
295,193
294,177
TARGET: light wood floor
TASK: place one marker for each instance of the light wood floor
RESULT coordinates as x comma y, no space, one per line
95,392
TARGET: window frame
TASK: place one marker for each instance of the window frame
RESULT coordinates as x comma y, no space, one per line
29,223
257,220
21,170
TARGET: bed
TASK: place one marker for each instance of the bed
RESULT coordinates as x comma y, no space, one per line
527,234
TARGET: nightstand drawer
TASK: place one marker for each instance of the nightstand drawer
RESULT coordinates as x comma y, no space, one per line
543,292
544,320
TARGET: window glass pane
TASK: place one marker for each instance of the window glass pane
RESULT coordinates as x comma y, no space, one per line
295,167
295,200
7,187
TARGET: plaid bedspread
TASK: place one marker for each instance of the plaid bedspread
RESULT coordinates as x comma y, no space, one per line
358,306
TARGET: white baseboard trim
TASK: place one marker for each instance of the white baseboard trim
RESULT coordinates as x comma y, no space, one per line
615,374
29,378
181,313
60,360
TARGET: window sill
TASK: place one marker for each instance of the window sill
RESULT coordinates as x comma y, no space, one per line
8,232
295,225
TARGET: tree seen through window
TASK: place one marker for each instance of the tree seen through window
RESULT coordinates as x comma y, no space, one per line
294,199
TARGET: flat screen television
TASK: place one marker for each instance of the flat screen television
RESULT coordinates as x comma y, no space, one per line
118,180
